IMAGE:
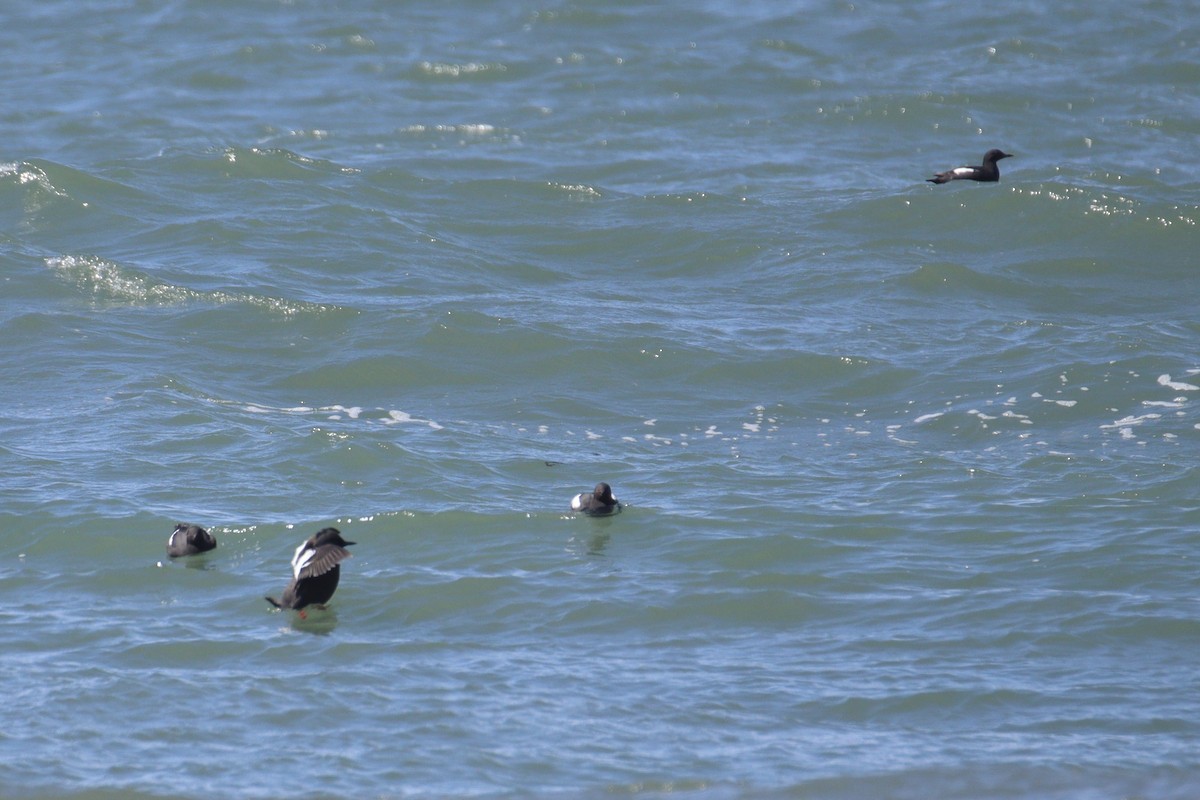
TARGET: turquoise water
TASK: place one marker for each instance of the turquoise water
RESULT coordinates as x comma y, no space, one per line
910,471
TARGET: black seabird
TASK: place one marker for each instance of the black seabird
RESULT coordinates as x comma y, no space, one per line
187,540
988,171
598,502
315,571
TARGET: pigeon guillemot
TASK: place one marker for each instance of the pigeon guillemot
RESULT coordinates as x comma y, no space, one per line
187,540
315,571
598,502
988,171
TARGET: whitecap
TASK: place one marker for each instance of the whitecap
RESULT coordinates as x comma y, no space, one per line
577,189
30,174
109,280
106,278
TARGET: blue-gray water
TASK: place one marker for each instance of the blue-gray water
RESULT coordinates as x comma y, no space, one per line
911,471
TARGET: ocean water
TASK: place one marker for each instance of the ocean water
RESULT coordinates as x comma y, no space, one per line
911,472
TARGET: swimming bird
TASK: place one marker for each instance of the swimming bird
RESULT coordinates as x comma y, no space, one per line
988,171
187,540
598,502
315,571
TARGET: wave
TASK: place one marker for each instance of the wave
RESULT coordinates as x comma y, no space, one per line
108,281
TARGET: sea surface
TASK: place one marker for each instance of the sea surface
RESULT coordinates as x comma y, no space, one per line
911,473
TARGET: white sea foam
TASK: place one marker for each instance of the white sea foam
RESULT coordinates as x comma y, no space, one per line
445,70
338,412
396,417
1126,422
1165,380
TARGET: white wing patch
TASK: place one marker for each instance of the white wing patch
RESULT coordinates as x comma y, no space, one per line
960,171
317,561
300,559
577,502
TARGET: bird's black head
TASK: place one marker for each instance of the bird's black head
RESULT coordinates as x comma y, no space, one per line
329,536
995,155
603,492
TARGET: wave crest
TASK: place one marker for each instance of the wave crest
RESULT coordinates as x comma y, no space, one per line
114,283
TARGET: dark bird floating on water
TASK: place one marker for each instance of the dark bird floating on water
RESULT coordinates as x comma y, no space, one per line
187,540
988,171
315,571
596,503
